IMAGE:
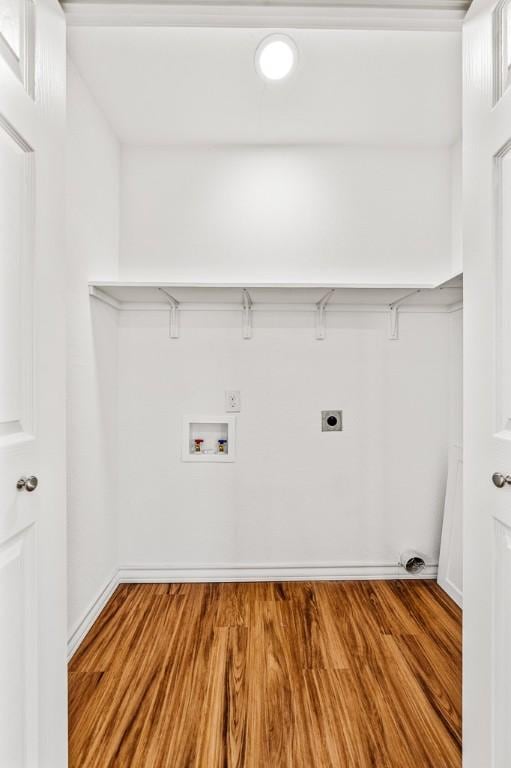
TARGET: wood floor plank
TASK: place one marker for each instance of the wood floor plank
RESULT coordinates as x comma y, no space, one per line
415,715
437,678
271,688
269,675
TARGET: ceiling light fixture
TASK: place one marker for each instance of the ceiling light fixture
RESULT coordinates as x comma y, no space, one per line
276,57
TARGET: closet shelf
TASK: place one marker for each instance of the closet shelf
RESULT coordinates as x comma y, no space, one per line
274,296
279,297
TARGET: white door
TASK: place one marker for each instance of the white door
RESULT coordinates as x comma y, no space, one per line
487,382
32,381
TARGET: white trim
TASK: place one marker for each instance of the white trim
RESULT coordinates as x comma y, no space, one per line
453,592
451,553
341,14
83,626
163,573
102,284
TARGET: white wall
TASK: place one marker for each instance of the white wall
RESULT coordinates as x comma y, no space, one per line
92,249
287,213
456,378
307,213
295,494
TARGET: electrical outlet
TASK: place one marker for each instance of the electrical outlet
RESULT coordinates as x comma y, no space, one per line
233,400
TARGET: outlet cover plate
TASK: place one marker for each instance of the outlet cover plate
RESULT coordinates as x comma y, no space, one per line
331,421
232,401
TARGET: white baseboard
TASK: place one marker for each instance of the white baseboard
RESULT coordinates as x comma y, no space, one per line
453,591
140,573
91,614
171,573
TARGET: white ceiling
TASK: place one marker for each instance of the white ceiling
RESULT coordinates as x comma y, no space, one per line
175,85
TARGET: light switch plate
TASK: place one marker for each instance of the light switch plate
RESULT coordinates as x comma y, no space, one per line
232,401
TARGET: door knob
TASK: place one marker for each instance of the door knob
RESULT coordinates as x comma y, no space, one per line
28,483
501,480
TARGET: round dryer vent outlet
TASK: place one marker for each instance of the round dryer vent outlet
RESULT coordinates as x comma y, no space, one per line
413,562
331,421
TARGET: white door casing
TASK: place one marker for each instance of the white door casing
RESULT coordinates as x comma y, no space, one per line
33,729
450,562
487,386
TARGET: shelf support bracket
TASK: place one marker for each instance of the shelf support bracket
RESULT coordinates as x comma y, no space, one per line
320,314
173,314
394,314
247,314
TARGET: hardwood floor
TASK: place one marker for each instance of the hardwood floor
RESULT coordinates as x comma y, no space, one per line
302,675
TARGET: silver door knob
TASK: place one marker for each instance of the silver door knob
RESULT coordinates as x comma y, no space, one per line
27,483
501,480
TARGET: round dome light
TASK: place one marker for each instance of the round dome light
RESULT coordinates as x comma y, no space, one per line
276,57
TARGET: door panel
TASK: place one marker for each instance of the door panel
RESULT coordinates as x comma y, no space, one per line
11,25
487,385
17,39
501,49
18,446
502,173
502,693
18,661
33,722
16,326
